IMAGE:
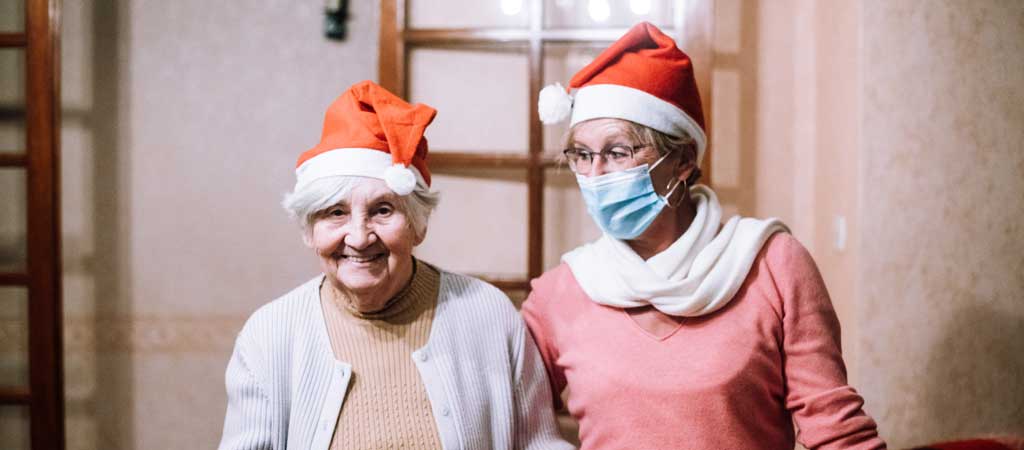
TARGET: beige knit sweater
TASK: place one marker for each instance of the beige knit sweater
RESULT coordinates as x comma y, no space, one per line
386,405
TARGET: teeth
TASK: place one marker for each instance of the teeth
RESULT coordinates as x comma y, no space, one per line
360,259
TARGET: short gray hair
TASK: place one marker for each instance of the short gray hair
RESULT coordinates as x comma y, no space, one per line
304,205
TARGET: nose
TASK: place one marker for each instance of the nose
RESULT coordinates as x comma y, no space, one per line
360,234
598,167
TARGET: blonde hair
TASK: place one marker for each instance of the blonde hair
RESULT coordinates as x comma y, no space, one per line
661,142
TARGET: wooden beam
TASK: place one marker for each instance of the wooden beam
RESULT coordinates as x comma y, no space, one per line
425,36
453,160
535,170
42,124
15,396
508,285
12,40
13,279
389,69
13,159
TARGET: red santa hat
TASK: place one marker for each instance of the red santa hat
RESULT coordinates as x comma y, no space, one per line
643,78
370,132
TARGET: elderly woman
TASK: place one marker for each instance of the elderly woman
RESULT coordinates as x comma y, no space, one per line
382,350
674,330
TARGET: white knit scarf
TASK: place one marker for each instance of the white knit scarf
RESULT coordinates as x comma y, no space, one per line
696,275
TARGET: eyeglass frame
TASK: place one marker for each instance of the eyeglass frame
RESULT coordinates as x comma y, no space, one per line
572,154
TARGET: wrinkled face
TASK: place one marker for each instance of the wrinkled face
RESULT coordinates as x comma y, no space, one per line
365,243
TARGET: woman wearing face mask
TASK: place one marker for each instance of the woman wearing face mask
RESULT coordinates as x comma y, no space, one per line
675,329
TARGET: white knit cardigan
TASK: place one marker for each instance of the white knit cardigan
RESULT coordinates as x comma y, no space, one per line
483,375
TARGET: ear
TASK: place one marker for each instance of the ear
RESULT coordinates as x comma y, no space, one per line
685,169
419,237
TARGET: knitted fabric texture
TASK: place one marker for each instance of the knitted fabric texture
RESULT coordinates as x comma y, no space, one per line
735,379
386,405
480,368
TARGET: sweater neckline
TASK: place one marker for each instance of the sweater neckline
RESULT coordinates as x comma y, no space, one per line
414,295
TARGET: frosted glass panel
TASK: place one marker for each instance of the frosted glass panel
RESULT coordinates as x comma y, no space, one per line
566,223
12,16
480,226
13,220
12,100
468,13
607,13
561,62
14,428
481,94
13,337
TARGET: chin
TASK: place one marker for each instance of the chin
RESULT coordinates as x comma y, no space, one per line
360,282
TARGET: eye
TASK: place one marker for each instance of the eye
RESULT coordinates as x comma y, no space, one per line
583,155
618,153
336,211
384,210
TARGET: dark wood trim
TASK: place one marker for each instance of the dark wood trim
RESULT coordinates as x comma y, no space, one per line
13,279
15,396
44,260
424,36
450,160
535,171
695,33
13,159
9,40
390,39
508,285
441,159
401,52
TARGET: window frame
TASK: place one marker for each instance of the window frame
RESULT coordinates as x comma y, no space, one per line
692,26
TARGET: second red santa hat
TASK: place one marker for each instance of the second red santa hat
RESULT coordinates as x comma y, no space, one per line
643,78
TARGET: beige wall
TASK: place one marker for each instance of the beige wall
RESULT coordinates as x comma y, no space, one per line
905,121
182,121
941,269
785,115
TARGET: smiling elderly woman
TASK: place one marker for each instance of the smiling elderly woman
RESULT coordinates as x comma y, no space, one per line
382,350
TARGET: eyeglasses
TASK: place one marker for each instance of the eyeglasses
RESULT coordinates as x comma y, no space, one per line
615,157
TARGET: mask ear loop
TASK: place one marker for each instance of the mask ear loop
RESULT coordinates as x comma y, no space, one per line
672,190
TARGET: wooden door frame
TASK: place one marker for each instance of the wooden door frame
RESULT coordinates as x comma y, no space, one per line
44,395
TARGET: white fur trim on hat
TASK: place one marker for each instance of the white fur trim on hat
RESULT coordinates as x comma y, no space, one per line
360,162
600,101
400,179
553,104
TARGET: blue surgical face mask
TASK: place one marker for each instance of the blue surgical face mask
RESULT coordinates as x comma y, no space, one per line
623,203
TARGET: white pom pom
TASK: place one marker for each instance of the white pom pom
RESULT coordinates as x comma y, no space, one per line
554,104
400,179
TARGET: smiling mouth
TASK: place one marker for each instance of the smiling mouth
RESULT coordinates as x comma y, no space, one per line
358,259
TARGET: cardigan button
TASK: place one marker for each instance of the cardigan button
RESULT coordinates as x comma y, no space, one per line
422,356
446,412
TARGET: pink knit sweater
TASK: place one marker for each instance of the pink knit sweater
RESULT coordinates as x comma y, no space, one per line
735,379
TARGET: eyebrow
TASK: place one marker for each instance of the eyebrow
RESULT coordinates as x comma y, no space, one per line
616,139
